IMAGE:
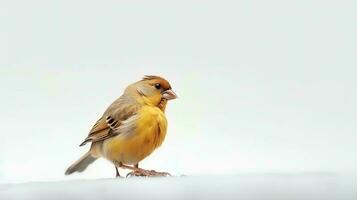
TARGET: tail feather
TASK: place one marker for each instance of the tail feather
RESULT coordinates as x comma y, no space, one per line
81,164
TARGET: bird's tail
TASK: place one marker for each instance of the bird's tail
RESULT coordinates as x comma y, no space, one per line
81,164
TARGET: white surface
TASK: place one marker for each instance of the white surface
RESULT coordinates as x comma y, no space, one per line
242,187
264,86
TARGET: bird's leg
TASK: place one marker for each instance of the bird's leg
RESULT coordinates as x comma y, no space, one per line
142,172
134,173
117,172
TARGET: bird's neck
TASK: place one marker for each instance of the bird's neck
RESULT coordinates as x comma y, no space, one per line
162,104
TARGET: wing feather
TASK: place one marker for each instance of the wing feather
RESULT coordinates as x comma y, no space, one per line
110,123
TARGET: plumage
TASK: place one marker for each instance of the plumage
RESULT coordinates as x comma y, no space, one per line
132,127
139,136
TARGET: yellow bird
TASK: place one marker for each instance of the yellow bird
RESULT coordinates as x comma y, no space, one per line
131,128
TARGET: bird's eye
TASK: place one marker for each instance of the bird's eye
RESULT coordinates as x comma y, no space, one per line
157,86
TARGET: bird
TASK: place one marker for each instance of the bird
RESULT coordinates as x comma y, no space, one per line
130,129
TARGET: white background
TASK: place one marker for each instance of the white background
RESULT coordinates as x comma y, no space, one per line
264,86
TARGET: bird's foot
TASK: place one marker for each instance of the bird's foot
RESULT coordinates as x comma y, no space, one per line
147,173
136,171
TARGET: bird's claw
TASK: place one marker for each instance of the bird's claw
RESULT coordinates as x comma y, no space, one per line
148,173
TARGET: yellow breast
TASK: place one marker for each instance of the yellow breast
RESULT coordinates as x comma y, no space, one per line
147,134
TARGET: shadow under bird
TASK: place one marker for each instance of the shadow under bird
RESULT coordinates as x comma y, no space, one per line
131,128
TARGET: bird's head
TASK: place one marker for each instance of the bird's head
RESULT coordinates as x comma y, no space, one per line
154,90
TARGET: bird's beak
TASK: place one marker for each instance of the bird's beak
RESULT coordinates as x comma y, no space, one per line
169,95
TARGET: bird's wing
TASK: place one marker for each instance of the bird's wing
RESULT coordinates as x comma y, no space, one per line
110,123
